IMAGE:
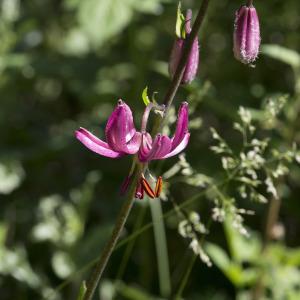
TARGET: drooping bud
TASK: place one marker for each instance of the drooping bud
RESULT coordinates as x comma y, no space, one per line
246,36
183,30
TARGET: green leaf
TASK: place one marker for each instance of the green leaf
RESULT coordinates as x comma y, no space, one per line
232,270
82,291
283,54
101,19
180,22
218,255
145,96
241,248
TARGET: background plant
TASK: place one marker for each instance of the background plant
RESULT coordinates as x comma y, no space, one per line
64,63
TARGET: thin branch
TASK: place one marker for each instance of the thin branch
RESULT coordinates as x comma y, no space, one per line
110,245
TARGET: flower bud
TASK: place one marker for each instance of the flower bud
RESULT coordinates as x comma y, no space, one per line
177,51
246,36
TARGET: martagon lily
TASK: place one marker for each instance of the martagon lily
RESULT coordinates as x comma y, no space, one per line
122,138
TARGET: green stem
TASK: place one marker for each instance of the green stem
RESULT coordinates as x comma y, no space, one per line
272,218
161,248
130,245
249,3
109,247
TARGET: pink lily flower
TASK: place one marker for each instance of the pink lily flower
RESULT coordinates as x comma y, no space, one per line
162,146
121,135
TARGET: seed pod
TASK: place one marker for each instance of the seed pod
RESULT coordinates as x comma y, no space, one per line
246,36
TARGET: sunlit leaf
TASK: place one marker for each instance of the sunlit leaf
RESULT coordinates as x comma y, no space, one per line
288,56
102,19
82,291
180,23
145,96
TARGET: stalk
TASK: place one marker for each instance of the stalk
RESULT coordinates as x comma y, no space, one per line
249,3
125,210
161,248
109,247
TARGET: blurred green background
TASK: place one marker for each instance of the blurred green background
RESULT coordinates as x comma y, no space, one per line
64,64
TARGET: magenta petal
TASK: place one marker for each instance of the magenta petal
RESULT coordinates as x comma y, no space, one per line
179,147
192,63
95,144
182,124
163,148
155,147
120,128
146,146
134,144
160,147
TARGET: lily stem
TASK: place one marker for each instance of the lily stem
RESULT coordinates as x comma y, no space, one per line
125,210
109,247
249,3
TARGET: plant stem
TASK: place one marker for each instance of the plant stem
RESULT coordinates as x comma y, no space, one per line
161,248
129,248
272,217
109,247
122,217
249,3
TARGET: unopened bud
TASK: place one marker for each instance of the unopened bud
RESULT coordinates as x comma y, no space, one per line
177,51
246,36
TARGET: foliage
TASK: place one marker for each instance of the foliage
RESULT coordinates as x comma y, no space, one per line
65,64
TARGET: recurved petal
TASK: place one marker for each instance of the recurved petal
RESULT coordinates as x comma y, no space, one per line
134,144
181,146
146,146
163,148
154,148
120,128
182,125
94,144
